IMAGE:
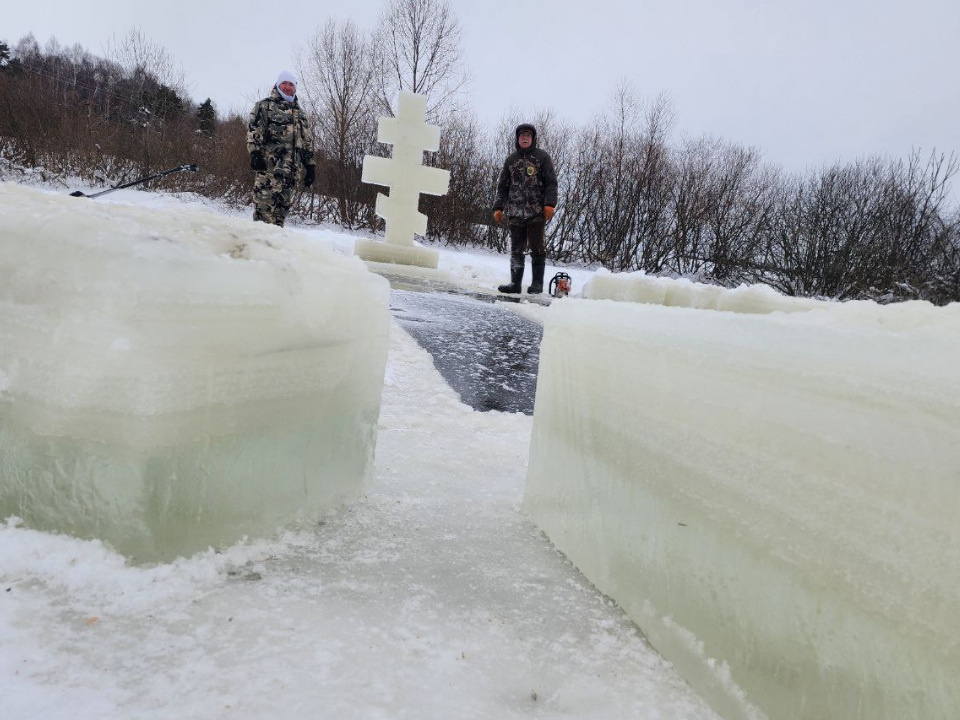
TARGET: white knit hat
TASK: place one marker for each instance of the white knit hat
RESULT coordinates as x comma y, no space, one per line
286,76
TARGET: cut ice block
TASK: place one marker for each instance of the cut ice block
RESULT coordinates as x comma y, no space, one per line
629,287
173,381
772,498
763,299
642,288
407,178
684,293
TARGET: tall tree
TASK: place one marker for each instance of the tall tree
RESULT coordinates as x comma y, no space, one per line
163,102
207,117
142,58
418,50
338,84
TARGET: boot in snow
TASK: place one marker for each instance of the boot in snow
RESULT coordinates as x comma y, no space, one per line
516,276
536,283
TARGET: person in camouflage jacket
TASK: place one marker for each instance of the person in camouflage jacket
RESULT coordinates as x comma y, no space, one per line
280,148
527,195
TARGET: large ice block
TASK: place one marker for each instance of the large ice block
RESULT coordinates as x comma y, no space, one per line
172,381
642,288
406,177
773,498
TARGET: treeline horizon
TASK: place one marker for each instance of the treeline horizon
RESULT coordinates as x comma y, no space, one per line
632,197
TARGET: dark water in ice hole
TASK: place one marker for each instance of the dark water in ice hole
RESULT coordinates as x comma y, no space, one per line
486,353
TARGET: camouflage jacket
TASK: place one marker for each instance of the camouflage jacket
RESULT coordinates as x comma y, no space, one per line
528,182
278,129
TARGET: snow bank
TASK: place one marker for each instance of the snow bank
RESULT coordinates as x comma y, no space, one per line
179,380
642,288
772,498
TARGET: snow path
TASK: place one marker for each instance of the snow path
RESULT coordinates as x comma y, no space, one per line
434,598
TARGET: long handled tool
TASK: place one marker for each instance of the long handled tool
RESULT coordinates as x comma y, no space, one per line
190,168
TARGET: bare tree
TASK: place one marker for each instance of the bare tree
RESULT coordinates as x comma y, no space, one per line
652,244
621,184
738,205
612,216
692,164
417,46
461,216
915,196
141,58
338,85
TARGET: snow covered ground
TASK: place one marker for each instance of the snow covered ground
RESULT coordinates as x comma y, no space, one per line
474,267
434,597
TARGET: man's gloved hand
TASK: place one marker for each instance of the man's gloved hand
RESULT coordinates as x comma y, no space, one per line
310,175
257,162
548,213
498,216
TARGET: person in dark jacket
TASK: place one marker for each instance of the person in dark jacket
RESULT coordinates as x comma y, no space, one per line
527,195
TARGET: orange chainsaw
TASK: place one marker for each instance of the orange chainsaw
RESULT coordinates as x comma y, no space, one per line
560,285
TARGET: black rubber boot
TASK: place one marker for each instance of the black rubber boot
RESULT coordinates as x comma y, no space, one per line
536,284
516,277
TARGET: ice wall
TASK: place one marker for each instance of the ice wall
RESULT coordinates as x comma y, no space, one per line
642,288
772,498
172,381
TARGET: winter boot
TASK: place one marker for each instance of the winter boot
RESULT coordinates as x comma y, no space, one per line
516,276
536,284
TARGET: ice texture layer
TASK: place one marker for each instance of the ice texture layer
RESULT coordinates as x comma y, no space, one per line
175,381
772,498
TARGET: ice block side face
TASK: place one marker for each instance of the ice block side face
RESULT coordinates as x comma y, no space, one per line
772,498
174,382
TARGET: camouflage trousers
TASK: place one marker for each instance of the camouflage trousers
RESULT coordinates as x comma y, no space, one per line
272,196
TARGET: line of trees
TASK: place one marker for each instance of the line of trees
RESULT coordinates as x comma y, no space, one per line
106,119
632,196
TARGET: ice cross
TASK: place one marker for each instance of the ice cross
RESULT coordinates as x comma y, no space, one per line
406,177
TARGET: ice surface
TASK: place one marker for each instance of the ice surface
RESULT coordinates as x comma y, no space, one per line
773,498
642,288
485,352
406,177
179,380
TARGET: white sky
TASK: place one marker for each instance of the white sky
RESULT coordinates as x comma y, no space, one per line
807,83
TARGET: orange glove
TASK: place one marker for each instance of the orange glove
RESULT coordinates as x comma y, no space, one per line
498,216
548,213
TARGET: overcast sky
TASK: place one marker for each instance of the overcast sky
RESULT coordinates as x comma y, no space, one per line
807,82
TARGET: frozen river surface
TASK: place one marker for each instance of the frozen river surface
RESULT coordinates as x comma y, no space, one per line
486,353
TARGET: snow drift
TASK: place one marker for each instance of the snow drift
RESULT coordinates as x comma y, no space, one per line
174,381
771,497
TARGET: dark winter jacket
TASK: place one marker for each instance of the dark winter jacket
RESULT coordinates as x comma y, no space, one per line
528,181
278,130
